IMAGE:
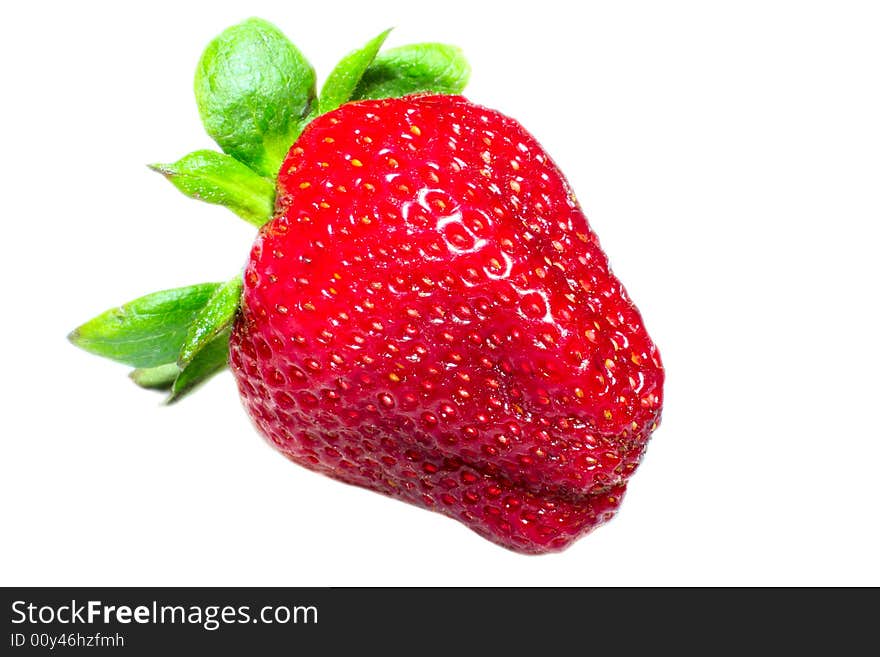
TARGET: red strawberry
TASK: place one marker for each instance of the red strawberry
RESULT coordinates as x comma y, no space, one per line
425,313
430,316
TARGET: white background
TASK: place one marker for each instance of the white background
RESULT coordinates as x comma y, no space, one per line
728,156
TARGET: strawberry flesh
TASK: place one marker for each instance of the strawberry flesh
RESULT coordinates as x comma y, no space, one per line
430,316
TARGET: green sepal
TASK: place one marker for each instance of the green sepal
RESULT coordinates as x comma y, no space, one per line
420,67
155,378
215,317
176,339
343,79
221,179
148,331
210,359
254,89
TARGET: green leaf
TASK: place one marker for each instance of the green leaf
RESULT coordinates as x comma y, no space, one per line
416,68
343,79
215,317
220,179
254,89
148,331
211,359
156,378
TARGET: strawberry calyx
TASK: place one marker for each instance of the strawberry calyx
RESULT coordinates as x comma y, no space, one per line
255,93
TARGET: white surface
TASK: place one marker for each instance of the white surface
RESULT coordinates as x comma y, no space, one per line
726,156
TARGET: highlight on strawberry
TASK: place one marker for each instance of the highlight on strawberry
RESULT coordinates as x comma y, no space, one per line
425,311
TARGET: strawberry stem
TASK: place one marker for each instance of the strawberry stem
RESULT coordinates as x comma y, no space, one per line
255,93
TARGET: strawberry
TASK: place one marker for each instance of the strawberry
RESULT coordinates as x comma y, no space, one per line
430,316
426,313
